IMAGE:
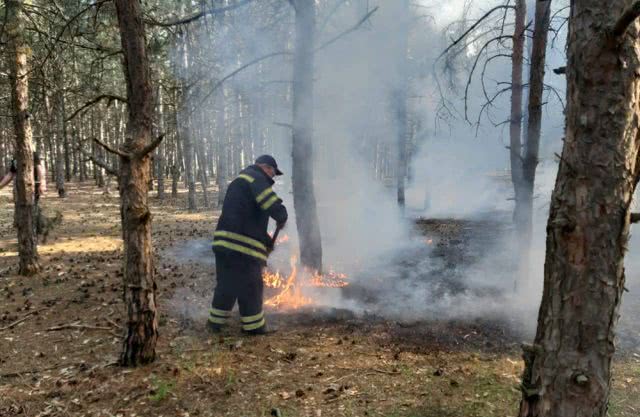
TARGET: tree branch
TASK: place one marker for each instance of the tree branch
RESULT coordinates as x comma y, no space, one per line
109,170
150,147
286,125
109,97
220,82
475,25
635,217
560,70
348,31
240,69
627,18
98,4
473,68
108,148
197,16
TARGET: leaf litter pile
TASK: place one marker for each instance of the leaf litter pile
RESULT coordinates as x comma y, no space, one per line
60,335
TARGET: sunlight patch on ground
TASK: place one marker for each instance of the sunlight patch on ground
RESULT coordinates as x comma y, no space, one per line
76,245
201,216
88,244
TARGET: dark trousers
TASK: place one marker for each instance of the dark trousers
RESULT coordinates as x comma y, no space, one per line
238,278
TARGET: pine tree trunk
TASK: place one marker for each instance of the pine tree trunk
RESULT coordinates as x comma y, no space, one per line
61,129
98,153
399,101
82,167
568,369
515,137
139,281
302,151
188,153
524,210
202,163
17,52
221,154
161,156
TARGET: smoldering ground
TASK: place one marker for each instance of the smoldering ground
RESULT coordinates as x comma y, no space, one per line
459,264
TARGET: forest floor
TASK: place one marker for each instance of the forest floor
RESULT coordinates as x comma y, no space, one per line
60,359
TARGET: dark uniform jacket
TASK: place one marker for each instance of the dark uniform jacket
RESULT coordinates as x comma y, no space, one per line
248,204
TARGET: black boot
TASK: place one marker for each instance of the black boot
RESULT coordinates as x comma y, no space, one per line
214,327
261,331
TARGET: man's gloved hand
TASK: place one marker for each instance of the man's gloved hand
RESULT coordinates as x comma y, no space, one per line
270,245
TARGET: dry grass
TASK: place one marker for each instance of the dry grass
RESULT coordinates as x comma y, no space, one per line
310,368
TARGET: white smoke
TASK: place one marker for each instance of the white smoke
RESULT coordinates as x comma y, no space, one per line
457,171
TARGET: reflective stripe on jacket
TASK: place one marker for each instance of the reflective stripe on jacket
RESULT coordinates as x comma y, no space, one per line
248,204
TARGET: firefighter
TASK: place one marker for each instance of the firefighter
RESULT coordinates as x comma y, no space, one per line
241,245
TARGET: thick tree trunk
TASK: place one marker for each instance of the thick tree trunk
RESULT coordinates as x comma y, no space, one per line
302,149
17,52
139,281
568,369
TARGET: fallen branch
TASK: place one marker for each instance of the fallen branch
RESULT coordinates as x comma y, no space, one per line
627,18
15,323
78,327
113,323
32,371
635,217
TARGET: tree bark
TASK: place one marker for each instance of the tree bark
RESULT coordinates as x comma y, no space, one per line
161,154
524,200
139,281
568,369
302,149
399,102
221,154
515,140
188,153
515,125
18,51
61,128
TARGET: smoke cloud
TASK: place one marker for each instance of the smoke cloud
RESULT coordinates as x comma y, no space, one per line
458,172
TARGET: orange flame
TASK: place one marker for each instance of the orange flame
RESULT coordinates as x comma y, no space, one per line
290,289
283,239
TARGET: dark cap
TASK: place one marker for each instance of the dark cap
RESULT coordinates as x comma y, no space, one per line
269,160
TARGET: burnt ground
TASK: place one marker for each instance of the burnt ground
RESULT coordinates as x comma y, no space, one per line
60,334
